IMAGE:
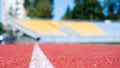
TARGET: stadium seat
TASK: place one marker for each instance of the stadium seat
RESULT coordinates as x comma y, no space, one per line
112,29
43,28
85,28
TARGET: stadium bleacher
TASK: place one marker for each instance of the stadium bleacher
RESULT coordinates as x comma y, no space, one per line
70,31
42,28
112,29
85,28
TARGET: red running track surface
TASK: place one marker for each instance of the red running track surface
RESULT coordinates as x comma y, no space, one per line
81,56
63,55
15,56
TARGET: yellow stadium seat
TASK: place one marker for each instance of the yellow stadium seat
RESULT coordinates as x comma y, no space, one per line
42,28
85,28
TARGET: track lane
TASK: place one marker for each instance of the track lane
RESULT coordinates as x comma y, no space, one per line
39,60
82,55
62,55
15,56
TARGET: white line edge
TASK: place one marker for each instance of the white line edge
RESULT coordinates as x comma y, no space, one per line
39,60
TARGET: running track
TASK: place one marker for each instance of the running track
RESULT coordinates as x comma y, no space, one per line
60,56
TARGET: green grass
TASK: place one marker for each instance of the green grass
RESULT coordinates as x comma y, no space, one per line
102,43
112,43
107,43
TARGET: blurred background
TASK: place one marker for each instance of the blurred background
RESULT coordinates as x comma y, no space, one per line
60,21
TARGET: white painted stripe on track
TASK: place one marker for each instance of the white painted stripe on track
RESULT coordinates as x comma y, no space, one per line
39,60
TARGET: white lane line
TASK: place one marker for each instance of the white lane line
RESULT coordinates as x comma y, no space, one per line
39,60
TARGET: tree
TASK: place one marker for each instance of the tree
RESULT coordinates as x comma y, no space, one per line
88,10
67,14
39,8
77,13
1,28
113,9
